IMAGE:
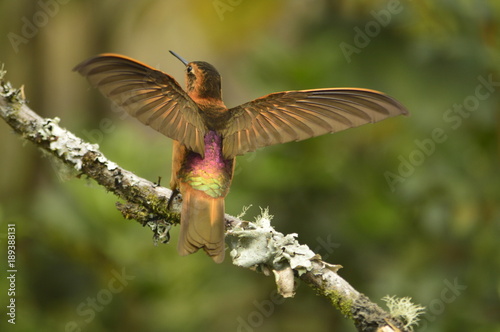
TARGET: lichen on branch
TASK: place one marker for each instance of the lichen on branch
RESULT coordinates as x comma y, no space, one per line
254,245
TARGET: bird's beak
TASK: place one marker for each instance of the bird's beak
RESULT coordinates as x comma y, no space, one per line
179,57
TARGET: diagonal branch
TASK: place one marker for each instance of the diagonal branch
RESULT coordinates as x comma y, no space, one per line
255,245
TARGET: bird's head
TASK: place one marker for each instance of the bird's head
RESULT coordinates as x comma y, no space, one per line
203,82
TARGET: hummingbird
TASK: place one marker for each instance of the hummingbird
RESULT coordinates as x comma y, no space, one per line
207,136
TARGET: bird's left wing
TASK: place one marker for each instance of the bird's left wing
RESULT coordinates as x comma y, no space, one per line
296,115
153,97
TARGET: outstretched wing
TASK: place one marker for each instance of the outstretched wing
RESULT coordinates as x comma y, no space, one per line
296,115
152,96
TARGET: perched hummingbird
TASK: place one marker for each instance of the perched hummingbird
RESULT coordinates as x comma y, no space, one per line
208,136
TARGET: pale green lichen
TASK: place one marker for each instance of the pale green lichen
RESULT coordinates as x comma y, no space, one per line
14,96
252,245
404,310
258,245
2,72
243,211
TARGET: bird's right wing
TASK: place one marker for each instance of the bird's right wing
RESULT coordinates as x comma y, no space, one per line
296,115
152,96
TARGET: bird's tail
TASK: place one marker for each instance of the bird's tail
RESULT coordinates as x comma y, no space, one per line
202,224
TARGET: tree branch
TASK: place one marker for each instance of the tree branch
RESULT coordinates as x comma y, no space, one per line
254,245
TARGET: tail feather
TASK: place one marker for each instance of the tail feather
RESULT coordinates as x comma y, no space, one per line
202,224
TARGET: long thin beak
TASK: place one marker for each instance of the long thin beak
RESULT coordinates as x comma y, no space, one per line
179,57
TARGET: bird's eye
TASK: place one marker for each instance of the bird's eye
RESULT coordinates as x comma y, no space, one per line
189,69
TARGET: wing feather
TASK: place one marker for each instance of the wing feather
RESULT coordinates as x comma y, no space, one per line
152,96
297,115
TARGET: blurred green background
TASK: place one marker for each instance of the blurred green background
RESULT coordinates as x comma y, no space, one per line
409,206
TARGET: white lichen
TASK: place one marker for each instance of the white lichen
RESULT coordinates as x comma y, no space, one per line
404,310
252,246
2,72
111,166
65,144
258,244
243,211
